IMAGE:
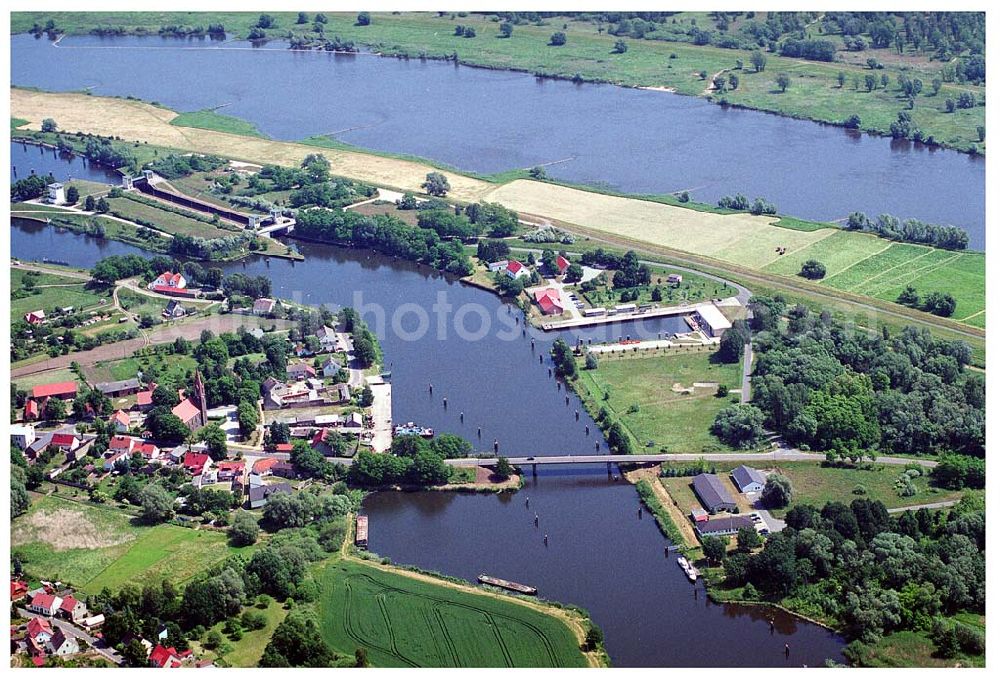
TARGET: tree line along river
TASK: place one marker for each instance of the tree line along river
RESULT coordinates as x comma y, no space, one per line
489,121
602,554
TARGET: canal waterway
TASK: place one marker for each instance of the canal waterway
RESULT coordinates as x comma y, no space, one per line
491,121
601,556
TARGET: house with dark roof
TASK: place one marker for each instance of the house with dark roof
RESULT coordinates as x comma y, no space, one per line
130,386
718,527
174,310
713,493
748,479
259,495
63,644
263,306
301,371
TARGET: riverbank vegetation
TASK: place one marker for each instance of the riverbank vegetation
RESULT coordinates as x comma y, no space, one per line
668,51
872,575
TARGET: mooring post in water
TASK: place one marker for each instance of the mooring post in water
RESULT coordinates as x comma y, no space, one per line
446,403
640,511
534,470
597,445
430,388
609,469
586,430
567,400
540,360
550,372
771,622
461,416
788,651
666,551
577,414
479,432
547,543
496,446
527,502
536,520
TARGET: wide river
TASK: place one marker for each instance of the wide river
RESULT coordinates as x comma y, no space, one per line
489,121
602,555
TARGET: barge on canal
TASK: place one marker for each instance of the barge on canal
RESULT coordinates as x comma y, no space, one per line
508,585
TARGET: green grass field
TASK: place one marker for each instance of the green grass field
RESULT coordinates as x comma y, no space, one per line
95,547
406,622
51,291
814,92
211,120
166,220
246,652
674,422
838,251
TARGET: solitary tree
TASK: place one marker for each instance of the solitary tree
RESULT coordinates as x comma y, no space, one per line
72,195
758,60
558,38
49,125
89,203
436,184
157,504
783,81
244,530
777,491
813,269
503,468
621,47
364,18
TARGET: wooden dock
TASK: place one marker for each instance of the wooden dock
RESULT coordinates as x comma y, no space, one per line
361,532
508,585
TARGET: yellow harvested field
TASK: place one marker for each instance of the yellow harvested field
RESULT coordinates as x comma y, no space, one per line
741,238
132,120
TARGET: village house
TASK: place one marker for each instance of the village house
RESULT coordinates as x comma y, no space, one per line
516,270
301,371
174,310
72,609
63,644
65,390
35,318
56,193
129,386
31,410
674,279
283,448
263,306
263,466
22,435
18,590
259,495
230,470
65,442
562,264
39,631
698,514
549,301
167,658
748,480
121,421
45,604
498,266
144,398
168,283
713,494
328,339
283,469
340,393
331,367
122,444
196,463
354,420
148,450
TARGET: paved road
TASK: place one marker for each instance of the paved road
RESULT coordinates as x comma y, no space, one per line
70,274
917,507
95,643
747,369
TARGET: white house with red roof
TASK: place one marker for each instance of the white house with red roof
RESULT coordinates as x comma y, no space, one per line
264,306
121,421
549,301
123,444
169,280
230,470
45,604
65,442
515,269
148,450
562,264
40,631
144,398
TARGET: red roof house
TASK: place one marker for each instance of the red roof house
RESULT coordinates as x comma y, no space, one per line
549,301
229,470
18,590
164,658
45,604
122,444
64,391
283,448
148,450
144,398
121,421
39,630
35,318
72,608
65,441
195,463
562,264
263,466
515,269
31,410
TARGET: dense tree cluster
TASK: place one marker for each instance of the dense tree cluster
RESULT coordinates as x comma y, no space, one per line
420,466
869,571
387,234
825,385
31,187
173,166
